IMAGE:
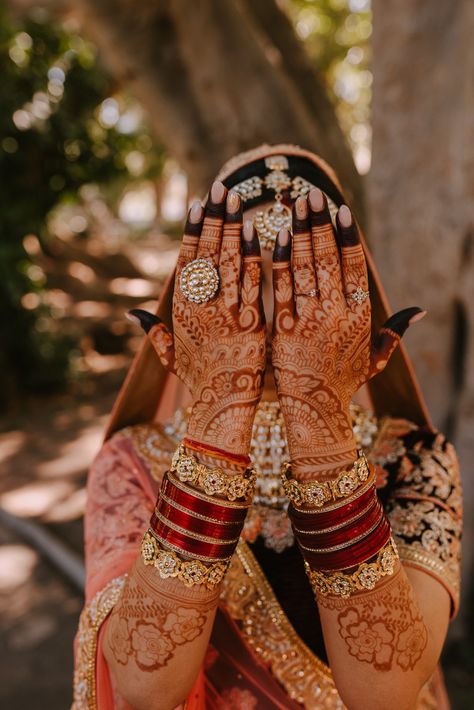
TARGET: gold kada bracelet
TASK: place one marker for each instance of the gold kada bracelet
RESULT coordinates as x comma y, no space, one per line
366,576
169,564
317,493
213,481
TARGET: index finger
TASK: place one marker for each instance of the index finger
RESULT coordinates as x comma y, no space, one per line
190,241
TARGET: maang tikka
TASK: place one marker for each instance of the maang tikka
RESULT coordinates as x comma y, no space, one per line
278,215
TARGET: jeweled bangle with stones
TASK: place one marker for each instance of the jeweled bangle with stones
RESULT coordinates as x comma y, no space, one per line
213,481
318,493
343,583
169,564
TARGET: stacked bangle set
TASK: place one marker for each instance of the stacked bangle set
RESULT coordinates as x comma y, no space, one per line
340,525
199,515
342,531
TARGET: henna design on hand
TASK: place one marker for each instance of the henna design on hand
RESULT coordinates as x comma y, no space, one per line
218,347
150,622
321,349
385,627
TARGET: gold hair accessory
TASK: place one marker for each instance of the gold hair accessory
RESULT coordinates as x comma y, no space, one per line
190,572
317,493
199,280
213,481
366,576
277,216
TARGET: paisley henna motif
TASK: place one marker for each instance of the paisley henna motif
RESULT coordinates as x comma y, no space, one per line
218,347
322,351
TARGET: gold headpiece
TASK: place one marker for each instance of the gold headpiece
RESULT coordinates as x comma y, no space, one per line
277,216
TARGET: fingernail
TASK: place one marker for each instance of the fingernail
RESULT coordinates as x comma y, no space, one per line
301,207
316,199
143,318
217,191
233,201
417,317
196,212
344,216
132,318
248,230
283,237
282,250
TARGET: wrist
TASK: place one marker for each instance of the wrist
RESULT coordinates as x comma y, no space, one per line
229,430
327,447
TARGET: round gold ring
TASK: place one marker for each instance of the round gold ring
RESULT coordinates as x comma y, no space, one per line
199,280
358,296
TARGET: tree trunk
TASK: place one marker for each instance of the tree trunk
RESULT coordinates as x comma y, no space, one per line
220,77
421,200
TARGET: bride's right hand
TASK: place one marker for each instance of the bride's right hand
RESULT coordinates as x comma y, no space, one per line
217,347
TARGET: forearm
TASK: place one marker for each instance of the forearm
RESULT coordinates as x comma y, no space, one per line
376,631
158,633
379,644
156,638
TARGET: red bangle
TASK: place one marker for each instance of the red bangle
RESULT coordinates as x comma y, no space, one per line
197,504
190,545
326,519
214,451
191,523
316,523
354,555
346,533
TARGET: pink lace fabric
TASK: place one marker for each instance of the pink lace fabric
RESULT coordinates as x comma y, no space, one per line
120,500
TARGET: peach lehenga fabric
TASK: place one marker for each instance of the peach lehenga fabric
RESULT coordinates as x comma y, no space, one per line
257,657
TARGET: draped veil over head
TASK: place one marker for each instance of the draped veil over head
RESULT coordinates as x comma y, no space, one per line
150,392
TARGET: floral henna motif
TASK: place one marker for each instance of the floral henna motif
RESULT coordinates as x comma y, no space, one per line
385,627
322,351
219,345
147,624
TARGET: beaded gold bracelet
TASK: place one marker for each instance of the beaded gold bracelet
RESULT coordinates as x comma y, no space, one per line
366,576
318,493
213,481
191,572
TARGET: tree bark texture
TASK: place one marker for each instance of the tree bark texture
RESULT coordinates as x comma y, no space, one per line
220,77
421,201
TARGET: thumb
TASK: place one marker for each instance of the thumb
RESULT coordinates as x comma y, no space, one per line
158,334
390,335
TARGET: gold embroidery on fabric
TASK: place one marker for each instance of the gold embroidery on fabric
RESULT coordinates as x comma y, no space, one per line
252,604
434,478
92,616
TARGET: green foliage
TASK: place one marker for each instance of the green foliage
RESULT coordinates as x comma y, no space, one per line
63,125
336,34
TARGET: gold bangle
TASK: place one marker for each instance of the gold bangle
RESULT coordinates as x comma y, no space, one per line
191,572
191,533
182,553
213,481
318,493
202,496
340,503
366,576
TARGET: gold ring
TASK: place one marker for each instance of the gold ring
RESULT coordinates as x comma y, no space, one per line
199,280
359,295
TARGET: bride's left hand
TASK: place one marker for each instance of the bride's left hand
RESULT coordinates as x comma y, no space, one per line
322,350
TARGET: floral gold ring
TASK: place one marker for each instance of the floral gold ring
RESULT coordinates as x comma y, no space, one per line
199,280
358,296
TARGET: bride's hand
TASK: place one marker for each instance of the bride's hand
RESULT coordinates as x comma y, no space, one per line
323,350
217,347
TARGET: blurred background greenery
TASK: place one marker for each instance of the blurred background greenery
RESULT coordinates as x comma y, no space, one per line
83,174
100,154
